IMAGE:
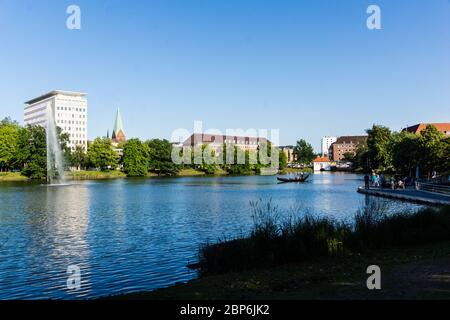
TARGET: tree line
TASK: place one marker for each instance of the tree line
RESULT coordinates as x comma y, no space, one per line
403,152
24,149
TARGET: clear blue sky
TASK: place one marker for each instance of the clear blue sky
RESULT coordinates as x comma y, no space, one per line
309,68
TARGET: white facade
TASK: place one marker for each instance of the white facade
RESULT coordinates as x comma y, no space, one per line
322,166
69,111
326,144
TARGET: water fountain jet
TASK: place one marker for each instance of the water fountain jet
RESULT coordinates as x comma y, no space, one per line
55,160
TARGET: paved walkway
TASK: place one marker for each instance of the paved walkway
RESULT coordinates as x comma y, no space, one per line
408,195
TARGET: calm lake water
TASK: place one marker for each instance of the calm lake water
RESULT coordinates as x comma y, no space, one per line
133,235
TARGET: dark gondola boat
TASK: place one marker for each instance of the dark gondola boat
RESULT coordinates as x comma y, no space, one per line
295,179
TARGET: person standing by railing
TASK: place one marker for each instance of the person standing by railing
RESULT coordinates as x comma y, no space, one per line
367,181
382,181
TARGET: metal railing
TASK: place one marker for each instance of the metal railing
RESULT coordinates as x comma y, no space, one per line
434,188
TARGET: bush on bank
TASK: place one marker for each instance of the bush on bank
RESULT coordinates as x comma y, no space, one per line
274,241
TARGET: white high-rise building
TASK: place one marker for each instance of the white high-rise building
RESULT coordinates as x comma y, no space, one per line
69,111
326,144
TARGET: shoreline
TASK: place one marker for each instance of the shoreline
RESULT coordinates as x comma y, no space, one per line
407,273
111,175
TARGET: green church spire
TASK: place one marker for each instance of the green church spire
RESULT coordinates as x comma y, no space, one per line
118,126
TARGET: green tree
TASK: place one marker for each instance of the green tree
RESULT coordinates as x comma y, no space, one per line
78,158
243,162
160,157
101,154
283,161
433,150
361,158
405,152
209,161
64,139
32,152
135,158
9,135
349,156
379,143
304,152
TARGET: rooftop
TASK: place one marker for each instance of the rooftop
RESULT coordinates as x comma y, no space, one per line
322,159
443,127
54,93
210,138
118,123
351,139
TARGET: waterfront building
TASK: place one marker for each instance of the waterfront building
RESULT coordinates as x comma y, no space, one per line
217,141
443,127
326,144
118,134
289,151
322,163
69,111
345,144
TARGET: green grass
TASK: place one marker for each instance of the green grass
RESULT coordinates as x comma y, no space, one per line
99,175
294,170
221,172
417,272
190,173
274,241
317,258
12,176
94,175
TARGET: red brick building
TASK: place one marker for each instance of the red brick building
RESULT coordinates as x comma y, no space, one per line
442,127
345,144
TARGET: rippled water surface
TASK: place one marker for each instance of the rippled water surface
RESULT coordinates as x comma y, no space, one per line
133,235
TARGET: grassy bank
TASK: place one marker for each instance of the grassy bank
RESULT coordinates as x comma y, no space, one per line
103,175
12,176
95,175
274,241
294,170
316,258
190,173
413,272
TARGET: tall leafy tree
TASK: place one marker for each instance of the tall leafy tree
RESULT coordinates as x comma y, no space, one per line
64,139
101,154
379,143
304,152
433,150
283,161
208,160
160,157
361,157
78,158
247,168
405,152
9,135
32,152
135,158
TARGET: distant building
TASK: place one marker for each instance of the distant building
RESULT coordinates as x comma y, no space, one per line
326,144
217,141
289,151
118,134
442,127
322,163
69,111
345,144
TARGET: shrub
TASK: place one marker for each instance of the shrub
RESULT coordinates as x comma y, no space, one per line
275,241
